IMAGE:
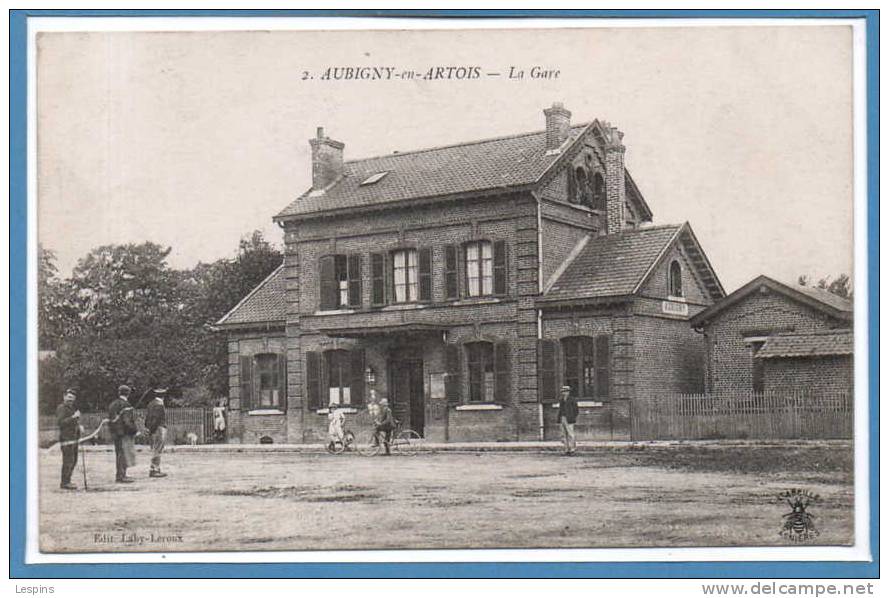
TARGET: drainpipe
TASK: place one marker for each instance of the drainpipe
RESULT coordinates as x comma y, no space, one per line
540,427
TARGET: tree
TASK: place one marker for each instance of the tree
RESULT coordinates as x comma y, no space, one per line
840,286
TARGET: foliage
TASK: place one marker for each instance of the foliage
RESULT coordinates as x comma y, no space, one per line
125,316
840,286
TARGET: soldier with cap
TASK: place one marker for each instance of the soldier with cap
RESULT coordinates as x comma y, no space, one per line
122,423
156,423
68,419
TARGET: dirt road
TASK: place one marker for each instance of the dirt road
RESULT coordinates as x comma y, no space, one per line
610,497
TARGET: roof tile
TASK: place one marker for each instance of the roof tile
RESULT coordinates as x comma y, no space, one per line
264,304
832,342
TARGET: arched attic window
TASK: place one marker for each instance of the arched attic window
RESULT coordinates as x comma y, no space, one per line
674,279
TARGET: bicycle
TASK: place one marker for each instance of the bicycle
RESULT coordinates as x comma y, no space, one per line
403,441
335,447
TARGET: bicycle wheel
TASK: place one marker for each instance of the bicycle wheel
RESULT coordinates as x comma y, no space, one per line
407,442
368,445
335,447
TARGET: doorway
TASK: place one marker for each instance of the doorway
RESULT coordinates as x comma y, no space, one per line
406,393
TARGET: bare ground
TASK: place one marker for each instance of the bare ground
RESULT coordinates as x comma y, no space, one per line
627,496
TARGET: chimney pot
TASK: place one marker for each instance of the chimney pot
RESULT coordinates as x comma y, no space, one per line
320,133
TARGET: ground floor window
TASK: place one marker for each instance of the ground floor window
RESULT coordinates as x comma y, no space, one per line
339,377
480,359
587,365
335,376
263,381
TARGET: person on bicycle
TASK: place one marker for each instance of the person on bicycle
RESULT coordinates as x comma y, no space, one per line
384,424
335,421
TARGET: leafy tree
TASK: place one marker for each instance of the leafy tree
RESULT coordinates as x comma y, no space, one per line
840,286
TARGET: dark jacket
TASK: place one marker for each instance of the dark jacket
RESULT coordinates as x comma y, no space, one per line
121,419
386,420
69,426
156,416
568,408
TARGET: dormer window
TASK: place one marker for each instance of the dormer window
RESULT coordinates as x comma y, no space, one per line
374,178
674,279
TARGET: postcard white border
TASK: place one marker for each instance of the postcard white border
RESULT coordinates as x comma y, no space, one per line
860,551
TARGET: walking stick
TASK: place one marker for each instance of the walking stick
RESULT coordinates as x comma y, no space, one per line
83,464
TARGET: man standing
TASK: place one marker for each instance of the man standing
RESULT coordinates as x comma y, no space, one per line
122,423
567,418
156,423
68,419
385,423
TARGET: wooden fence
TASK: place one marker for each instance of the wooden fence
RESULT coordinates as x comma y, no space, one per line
744,415
180,422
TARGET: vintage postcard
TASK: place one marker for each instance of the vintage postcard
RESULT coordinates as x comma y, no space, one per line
450,290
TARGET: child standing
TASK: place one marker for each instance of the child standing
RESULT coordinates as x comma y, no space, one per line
335,421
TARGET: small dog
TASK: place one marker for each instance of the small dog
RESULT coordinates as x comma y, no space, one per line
191,438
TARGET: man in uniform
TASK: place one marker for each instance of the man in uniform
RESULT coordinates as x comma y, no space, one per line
68,419
122,423
385,423
156,422
567,419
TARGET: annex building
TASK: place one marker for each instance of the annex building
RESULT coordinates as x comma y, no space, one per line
467,283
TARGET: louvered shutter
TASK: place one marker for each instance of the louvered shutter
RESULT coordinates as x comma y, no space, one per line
546,371
327,275
452,380
313,380
378,279
282,382
356,370
500,267
354,271
246,376
603,367
501,373
425,274
452,290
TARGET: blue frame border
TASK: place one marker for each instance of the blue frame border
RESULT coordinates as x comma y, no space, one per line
17,345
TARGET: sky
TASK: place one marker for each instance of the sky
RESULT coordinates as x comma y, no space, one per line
195,139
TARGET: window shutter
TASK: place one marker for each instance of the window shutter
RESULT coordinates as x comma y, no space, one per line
452,380
246,375
451,288
356,384
603,367
501,373
354,280
378,278
327,268
425,274
313,380
546,370
500,267
282,381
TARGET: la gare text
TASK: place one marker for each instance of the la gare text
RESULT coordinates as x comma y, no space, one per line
434,73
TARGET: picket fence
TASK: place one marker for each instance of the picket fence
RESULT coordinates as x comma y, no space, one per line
771,415
180,422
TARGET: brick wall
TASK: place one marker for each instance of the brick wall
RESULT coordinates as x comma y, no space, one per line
729,359
828,374
693,289
669,356
243,426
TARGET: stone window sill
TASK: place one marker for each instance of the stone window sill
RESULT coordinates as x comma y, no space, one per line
479,407
265,412
583,404
333,312
344,410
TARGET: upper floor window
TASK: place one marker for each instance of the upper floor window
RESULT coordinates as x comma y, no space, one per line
340,281
404,275
587,366
598,192
674,279
479,268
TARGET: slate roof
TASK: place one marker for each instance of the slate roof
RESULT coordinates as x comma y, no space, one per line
613,265
263,305
827,297
833,342
489,164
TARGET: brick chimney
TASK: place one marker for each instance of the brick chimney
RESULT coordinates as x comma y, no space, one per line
615,180
558,125
327,160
